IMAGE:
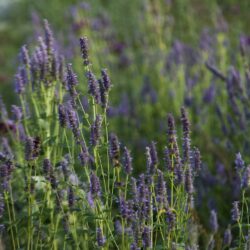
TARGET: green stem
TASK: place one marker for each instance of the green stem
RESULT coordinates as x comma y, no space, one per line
14,217
10,219
29,210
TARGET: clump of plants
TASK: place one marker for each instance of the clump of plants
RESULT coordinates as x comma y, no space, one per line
66,180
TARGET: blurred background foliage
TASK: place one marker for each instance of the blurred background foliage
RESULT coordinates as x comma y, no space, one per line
187,19
155,52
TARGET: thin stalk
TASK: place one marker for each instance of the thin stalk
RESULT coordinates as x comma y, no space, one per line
40,219
14,217
107,149
29,210
84,113
10,219
24,115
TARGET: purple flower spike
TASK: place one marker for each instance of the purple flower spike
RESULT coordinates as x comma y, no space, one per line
71,81
239,163
29,147
84,154
19,84
65,166
161,190
106,80
123,207
133,246
62,115
42,53
17,112
1,205
189,182
23,74
48,173
95,187
227,237
141,188
153,153
49,39
114,149
235,212
103,94
90,200
84,50
196,160
150,166
146,238
213,221
127,161
73,123
95,130
152,158
134,190
245,180
36,146
4,171
5,174
170,218
100,237
71,76
93,86
118,227
167,159
61,68
34,68
186,135
179,174
25,56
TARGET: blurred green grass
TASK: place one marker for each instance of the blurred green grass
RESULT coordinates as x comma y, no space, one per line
189,18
